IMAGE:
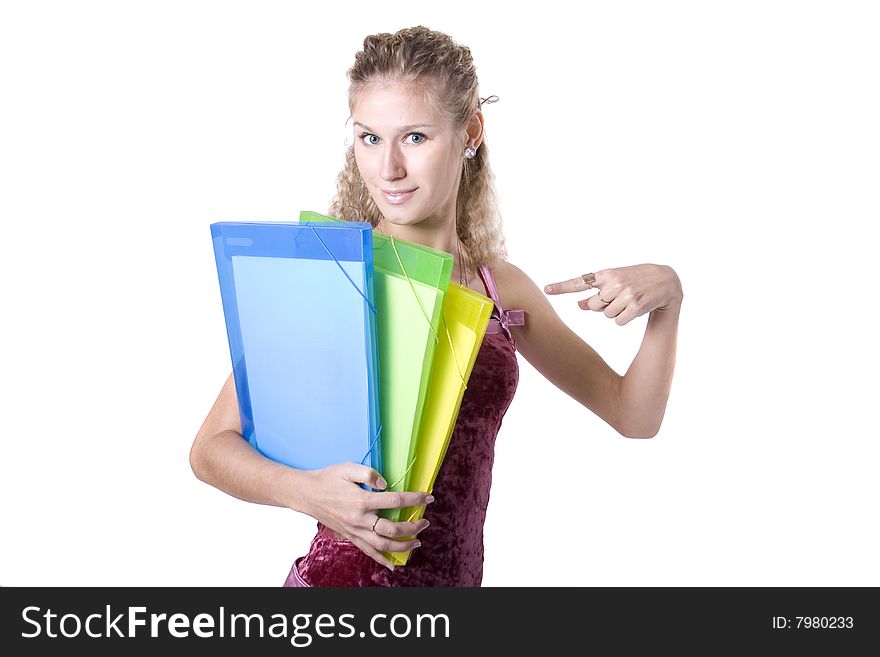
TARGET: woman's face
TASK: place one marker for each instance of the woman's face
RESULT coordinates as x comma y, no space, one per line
408,157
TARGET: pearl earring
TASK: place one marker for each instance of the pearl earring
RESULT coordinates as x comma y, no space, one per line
469,153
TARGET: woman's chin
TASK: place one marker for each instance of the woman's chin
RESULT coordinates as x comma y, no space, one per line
398,218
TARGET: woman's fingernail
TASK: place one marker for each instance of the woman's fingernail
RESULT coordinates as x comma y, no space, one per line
548,289
429,499
381,483
418,544
391,568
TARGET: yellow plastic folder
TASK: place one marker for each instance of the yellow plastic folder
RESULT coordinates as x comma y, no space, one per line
410,282
465,319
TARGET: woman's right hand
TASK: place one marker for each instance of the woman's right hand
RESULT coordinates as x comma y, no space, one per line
337,501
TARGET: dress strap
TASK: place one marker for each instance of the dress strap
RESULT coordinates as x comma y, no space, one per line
501,319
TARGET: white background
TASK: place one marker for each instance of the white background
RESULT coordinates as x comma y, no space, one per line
737,142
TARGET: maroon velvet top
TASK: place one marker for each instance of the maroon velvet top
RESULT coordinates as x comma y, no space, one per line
451,553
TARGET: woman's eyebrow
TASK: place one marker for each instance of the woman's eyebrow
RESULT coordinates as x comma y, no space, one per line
402,129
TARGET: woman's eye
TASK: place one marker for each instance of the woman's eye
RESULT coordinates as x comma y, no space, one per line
371,139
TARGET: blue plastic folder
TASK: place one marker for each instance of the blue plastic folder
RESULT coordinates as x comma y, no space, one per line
300,317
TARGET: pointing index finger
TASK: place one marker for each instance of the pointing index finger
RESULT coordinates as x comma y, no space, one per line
578,284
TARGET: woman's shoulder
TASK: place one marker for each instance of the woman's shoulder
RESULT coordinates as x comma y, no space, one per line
515,289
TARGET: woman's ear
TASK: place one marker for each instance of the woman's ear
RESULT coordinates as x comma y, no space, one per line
475,130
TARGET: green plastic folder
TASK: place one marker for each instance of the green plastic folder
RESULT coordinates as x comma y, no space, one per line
465,319
410,283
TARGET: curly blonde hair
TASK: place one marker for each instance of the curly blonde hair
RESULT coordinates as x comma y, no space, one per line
444,71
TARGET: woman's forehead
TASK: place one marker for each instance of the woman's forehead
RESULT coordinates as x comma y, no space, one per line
393,106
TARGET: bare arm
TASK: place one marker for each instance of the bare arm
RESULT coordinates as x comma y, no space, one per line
221,457
633,404
557,352
644,389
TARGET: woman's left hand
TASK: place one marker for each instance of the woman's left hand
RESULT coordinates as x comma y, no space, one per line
625,293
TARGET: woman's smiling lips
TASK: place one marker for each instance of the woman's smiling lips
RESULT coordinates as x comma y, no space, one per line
397,196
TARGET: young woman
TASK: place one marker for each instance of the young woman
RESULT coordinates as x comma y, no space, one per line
419,170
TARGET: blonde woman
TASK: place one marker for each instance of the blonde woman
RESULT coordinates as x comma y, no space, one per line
419,170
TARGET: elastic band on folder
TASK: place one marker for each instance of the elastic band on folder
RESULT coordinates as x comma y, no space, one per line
403,476
415,294
425,314
309,224
454,355
372,444
372,307
458,367
436,339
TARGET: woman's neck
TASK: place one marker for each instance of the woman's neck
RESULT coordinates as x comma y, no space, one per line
442,237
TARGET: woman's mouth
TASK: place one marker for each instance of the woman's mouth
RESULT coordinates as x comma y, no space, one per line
398,196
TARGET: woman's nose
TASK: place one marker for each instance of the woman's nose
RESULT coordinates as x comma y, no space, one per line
393,166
